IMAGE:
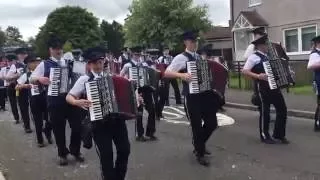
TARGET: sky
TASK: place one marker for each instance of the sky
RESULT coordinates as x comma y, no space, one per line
29,15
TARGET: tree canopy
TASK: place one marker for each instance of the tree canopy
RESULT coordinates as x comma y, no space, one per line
2,37
13,36
112,34
73,24
161,23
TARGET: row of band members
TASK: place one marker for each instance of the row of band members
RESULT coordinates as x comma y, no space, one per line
56,111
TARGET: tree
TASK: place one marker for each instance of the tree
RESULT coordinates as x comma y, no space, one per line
158,23
13,37
73,24
2,38
113,35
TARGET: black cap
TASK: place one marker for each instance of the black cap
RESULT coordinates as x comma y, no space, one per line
190,35
316,39
136,50
166,48
55,42
258,30
31,58
261,40
94,54
21,51
11,57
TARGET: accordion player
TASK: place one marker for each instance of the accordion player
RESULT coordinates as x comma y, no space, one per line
111,96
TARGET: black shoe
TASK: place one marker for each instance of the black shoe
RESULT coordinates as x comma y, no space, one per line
178,103
28,131
203,161
141,139
17,122
63,161
79,158
283,140
316,129
268,141
41,145
153,138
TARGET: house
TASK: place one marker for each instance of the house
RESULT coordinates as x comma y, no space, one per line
219,39
293,23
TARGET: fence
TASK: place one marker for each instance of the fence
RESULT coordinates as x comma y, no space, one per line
303,77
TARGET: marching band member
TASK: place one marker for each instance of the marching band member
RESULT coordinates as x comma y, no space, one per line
125,57
3,88
38,102
257,33
59,110
254,69
15,71
148,99
11,92
167,59
200,107
106,132
314,64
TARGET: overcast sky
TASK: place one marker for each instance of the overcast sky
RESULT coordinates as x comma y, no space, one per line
29,15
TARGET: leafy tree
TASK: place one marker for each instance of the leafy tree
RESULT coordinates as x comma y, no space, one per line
158,23
113,35
73,24
2,38
13,36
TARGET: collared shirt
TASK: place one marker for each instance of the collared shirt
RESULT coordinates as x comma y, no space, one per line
180,61
125,70
79,87
39,71
253,60
314,59
3,74
250,50
13,70
22,79
167,59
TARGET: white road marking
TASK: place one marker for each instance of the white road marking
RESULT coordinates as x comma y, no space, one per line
1,176
176,109
176,116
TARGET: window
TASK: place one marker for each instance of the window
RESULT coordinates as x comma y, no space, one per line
298,40
254,2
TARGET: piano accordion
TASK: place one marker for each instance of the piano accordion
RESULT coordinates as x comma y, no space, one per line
59,81
201,76
278,72
145,77
111,96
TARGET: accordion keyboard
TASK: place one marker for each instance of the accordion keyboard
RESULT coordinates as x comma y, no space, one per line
93,96
53,89
194,84
271,77
133,74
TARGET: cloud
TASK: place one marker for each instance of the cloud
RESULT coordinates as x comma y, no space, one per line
29,17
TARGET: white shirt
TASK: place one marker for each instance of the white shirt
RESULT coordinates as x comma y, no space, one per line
39,71
180,62
253,60
166,61
13,70
314,59
79,86
250,50
22,79
3,74
125,70
120,58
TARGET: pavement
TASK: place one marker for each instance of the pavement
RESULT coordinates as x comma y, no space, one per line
297,105
237,153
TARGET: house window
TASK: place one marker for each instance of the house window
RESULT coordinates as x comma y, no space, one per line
298,40
254,2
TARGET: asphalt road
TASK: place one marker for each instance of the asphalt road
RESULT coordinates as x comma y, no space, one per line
237,153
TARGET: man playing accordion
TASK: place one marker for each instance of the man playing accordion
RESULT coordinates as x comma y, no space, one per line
255,69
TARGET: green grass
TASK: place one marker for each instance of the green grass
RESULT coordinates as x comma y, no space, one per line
304,90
